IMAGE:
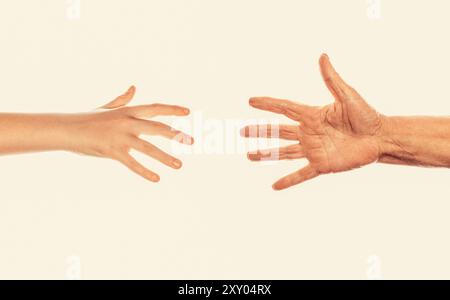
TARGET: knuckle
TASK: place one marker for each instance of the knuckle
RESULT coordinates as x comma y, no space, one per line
123,121
126,110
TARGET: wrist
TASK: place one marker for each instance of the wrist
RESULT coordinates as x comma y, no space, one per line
35,132
388,145
73,132
59,131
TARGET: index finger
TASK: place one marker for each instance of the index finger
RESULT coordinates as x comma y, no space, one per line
290,109
157,109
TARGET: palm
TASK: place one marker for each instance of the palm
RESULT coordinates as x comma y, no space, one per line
339,141
334,138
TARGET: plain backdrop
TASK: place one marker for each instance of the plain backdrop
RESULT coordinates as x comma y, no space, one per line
63,215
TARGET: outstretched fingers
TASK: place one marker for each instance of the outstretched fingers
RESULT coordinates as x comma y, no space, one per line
297,177
156,153
289,152
149,127
290,109
287,132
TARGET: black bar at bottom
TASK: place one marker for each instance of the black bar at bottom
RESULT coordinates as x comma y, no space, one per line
224,289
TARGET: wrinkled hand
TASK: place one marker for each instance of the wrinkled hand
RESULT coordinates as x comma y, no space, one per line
114,131
337,137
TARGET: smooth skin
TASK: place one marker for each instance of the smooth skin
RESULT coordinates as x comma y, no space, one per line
348,134
110,132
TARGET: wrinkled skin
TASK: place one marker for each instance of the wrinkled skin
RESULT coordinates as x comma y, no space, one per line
334,138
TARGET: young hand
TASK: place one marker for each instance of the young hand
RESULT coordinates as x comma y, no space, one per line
115,130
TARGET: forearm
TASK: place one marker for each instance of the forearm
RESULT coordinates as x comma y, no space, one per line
420,141
34,132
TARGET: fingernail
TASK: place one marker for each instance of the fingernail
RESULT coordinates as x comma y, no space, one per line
155,178
176,163
186,111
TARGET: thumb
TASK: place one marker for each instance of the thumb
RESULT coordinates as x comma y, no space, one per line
335,84
122,100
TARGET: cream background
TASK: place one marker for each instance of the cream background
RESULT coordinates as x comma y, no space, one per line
218,218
